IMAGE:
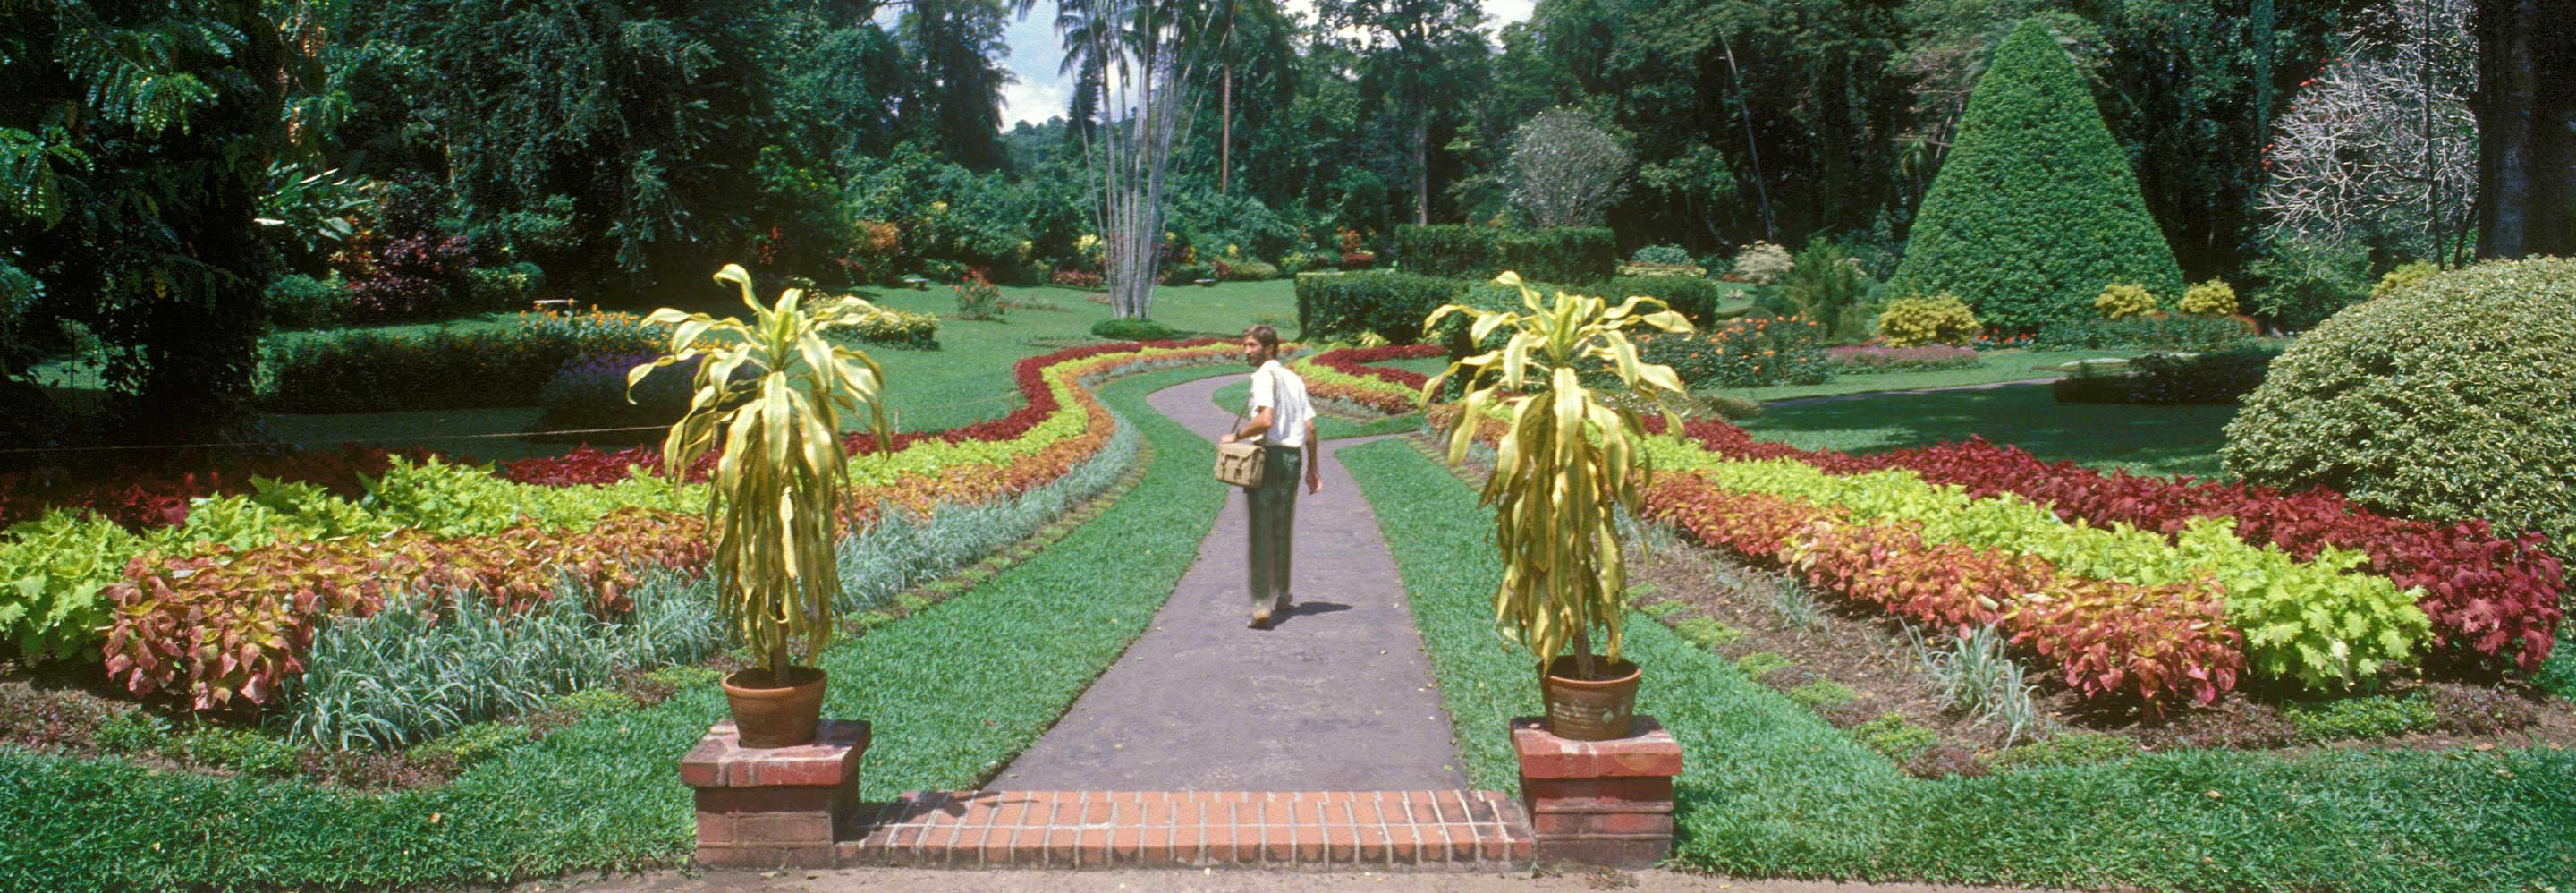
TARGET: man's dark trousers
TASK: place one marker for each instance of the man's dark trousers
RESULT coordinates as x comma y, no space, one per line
1274,519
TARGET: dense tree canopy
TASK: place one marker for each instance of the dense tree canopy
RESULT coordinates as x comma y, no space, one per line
624,148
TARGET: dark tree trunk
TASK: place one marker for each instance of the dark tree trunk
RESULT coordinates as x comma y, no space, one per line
1225,133
2526,111
1422,165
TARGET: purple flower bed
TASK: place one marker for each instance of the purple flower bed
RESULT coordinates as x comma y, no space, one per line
1873,359
590,392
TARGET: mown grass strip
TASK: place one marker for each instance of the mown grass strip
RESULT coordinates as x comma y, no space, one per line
953,691
1768,789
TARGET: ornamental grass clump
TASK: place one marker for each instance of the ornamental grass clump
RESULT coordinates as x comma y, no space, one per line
1567,460
772,396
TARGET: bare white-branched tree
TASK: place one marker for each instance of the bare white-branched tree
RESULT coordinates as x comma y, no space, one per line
2380,148
1563,171
1143,53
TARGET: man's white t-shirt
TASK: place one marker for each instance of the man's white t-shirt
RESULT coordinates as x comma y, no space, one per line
1284,393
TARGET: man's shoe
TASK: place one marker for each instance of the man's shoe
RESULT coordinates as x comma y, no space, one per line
1260,620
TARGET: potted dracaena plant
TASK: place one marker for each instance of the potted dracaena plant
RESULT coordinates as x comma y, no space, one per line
1568,457
770,396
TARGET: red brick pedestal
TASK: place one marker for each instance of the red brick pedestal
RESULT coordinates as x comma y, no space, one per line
773,807
1607,803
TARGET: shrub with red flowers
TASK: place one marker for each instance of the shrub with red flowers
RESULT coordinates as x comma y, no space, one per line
410,278
1744,353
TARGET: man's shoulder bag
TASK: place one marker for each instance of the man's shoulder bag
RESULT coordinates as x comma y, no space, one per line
1239,463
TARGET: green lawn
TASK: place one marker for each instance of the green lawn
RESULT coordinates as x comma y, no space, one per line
1998,366
2145,439
1768,789
953,692
2165,440
966,380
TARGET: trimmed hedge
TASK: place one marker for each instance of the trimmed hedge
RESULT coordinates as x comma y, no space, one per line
2036,209
1448,250
444,368
1572,254
1389,303
2219,377
2449,400
1116,329
1569,254
1692,297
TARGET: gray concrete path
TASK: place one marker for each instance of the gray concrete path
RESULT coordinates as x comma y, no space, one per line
1337,696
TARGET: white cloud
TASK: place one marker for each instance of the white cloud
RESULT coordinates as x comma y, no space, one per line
1036,52
1034,102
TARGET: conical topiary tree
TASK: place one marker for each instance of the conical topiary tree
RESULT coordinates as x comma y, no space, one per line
2035,210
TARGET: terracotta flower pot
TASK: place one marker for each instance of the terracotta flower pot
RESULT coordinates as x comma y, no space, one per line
1590,709
771,715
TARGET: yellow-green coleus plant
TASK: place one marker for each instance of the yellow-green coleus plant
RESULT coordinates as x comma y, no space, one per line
771,394
1567,461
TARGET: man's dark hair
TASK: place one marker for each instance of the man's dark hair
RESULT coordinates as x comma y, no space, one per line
1269,337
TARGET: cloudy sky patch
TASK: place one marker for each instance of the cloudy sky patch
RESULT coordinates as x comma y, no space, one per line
1036,51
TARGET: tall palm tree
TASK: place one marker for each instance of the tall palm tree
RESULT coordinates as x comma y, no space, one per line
1239,30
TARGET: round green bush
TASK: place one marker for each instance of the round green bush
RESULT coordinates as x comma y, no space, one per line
2449,400
1132,330
2035,209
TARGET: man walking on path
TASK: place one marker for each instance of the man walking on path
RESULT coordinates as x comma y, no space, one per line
1283,423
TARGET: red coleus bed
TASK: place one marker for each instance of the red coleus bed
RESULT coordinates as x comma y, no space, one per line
594,466
141,502
1357,361
2158,644
229,625
148,500
2493,597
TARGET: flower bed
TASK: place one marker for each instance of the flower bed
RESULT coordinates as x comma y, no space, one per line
2161,589
228,622
442,369
2315,623
147,500
1346,375
2159,643
1873,359
2490,596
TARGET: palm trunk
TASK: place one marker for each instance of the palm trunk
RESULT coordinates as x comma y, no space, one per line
1225,131
1422,165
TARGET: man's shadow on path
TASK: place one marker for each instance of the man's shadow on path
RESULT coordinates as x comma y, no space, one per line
1303,609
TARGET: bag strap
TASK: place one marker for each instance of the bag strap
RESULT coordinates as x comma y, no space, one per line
1236,429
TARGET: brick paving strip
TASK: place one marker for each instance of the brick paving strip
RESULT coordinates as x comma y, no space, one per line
1318,743
1384,830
